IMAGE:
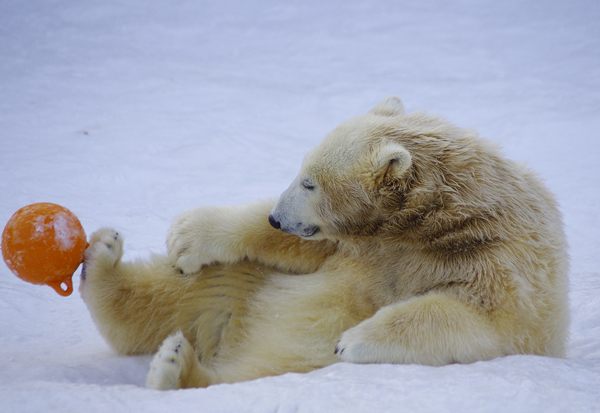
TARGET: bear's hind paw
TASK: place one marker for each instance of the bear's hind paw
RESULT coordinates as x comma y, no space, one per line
167,367
105,243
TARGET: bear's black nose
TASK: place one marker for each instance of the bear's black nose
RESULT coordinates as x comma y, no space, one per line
275,224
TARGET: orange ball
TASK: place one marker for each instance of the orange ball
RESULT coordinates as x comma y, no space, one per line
44,243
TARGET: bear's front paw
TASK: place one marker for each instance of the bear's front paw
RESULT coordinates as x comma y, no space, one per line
167,367
360,344
197,239
183,254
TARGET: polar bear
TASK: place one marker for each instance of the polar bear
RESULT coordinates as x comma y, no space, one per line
404,239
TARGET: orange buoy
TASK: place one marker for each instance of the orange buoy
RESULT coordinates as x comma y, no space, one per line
44,243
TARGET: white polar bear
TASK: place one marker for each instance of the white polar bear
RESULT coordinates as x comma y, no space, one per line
404,239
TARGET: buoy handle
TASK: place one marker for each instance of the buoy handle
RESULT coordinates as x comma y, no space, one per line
58,286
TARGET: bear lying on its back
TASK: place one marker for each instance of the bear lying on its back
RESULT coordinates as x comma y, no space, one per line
404,239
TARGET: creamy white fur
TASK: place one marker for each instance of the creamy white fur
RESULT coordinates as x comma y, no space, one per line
431,248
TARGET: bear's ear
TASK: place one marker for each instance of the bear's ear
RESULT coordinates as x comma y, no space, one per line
391,161
390,106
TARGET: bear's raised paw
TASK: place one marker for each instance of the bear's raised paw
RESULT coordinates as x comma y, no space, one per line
105,244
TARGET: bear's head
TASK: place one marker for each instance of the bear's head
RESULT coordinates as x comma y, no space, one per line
346,184
394,174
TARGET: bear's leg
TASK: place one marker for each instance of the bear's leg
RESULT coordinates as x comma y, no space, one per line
176,366
229,235
434,330
130,302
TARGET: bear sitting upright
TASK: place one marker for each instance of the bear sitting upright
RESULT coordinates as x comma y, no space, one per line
404,239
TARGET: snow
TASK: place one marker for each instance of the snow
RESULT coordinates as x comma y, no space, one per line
65,232
129,113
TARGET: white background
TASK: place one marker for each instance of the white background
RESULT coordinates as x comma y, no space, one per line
131,112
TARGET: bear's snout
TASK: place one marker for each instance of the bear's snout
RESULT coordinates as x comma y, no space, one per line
274,223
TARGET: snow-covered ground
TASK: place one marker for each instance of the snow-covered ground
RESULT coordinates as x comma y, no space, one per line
131,112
